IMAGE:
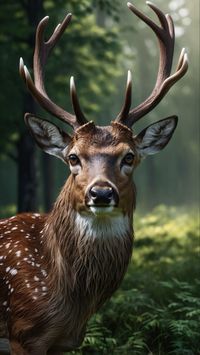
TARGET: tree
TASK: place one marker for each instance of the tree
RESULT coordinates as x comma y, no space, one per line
91,52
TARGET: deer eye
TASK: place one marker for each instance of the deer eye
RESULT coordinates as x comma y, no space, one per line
128,159
73,159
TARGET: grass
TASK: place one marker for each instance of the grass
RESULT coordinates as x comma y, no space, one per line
157,308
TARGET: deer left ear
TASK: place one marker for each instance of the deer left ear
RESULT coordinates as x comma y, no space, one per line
47,135
156,136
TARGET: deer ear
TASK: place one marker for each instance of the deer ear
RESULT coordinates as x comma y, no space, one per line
48,136
156,136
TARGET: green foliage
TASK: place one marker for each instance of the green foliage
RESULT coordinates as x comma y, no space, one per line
157,309
87,50
8,211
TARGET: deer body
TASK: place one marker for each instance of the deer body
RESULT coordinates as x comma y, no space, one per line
59,278
57,270
68,261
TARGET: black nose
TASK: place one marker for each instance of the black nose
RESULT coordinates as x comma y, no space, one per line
101,195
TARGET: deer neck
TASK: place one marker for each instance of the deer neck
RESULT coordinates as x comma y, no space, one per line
86,251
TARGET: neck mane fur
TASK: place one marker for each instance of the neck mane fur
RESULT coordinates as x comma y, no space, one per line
86,255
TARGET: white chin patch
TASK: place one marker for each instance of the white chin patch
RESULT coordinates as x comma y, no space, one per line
103,224
101,210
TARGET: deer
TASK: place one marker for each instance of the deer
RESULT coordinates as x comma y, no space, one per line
58,269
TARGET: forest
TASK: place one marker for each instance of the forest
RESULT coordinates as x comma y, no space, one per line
156,310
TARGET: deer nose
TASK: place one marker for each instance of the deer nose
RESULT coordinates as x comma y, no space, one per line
101,195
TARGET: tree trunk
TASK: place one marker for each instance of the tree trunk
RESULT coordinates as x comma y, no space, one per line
27,174
48,181
27,185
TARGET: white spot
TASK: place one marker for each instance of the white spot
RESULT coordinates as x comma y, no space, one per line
13,271
44,273
36,278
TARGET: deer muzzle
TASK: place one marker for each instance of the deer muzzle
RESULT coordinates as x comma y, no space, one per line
102,196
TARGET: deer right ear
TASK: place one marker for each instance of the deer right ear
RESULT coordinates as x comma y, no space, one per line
48,136
156,136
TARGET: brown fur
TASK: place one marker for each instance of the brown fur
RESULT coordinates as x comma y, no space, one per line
58,275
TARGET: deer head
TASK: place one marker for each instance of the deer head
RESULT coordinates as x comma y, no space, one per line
102,159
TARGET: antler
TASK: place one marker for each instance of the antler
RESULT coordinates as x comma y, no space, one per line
37,88
164,82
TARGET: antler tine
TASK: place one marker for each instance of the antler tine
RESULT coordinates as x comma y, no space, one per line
127,102
161,16
182,58
171,25
75,102
182,68
44,100
37,88
166,39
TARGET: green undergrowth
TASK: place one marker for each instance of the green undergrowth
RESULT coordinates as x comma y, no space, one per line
7,211
157,308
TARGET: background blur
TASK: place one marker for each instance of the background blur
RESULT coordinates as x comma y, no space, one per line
103,41
157,308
